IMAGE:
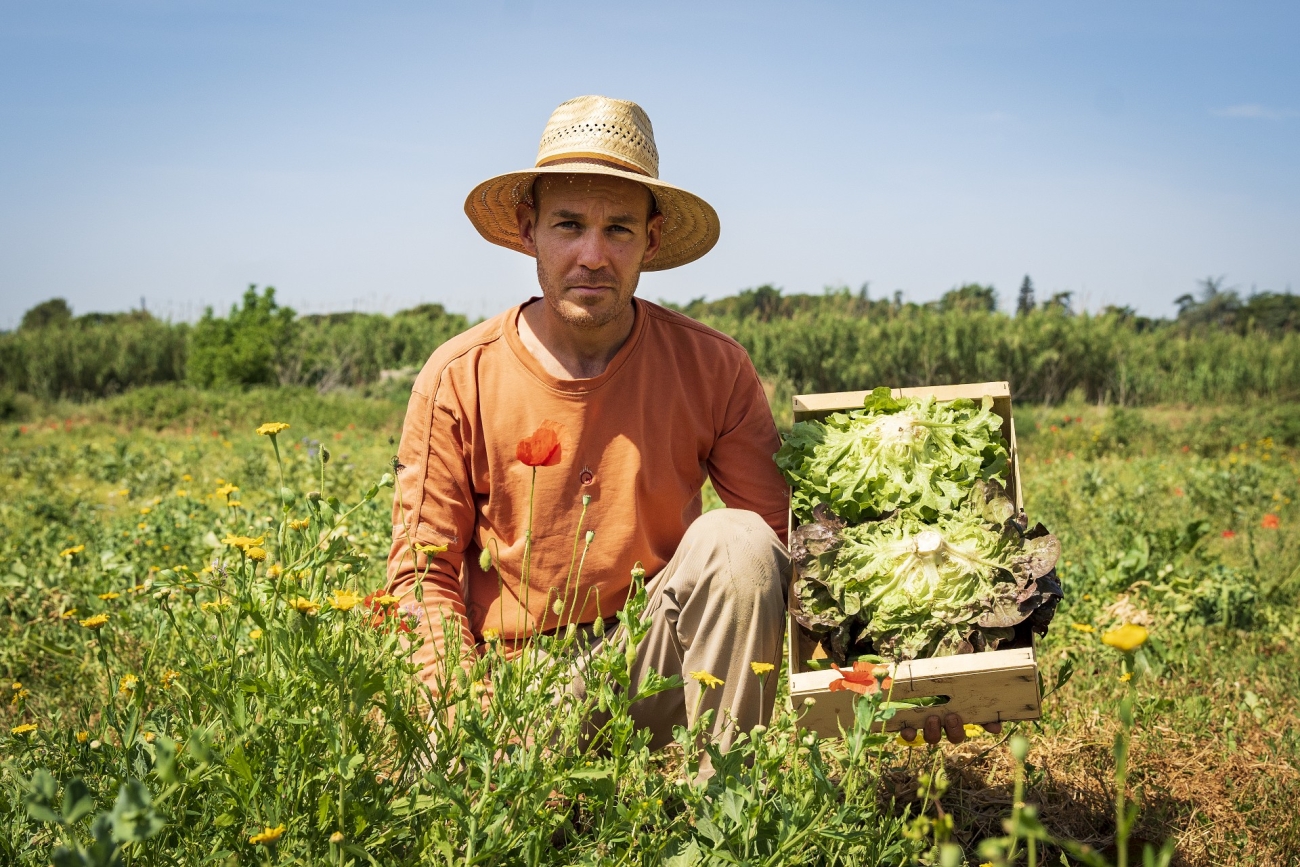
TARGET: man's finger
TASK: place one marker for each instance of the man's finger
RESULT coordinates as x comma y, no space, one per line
952,725
932,730
993,728
908,733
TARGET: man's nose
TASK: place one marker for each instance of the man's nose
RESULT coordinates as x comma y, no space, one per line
592,252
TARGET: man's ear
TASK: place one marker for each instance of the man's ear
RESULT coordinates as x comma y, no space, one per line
526,216
653,236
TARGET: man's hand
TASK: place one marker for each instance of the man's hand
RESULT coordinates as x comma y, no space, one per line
952,725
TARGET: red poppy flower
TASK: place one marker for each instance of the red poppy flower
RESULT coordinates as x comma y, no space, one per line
1228,534
860,679
542,448
1270,522
1178,492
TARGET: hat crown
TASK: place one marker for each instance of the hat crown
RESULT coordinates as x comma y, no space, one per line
600,129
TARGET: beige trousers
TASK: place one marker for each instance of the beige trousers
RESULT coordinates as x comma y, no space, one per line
718,605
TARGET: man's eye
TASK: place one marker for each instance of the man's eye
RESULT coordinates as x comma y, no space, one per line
620,230
567,224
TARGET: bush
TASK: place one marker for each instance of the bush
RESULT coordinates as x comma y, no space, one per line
250,347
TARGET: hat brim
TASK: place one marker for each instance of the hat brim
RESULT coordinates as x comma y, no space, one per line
690,227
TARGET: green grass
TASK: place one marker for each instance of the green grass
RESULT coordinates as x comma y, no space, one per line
314,722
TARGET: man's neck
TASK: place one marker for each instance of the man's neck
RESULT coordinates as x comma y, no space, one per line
569,352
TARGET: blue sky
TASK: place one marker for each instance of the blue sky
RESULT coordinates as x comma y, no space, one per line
178,152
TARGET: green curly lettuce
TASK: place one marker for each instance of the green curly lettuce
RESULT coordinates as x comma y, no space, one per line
917,455
906,589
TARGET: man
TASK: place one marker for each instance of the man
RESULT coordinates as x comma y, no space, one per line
646,403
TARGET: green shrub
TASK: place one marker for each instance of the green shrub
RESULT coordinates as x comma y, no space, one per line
249,347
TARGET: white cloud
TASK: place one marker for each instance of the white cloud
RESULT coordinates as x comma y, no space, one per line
1254,110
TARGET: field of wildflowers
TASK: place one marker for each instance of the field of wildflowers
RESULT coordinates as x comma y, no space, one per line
201,668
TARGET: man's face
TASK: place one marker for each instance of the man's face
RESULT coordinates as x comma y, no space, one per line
591,235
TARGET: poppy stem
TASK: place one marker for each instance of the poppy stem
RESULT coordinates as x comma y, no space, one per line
526,569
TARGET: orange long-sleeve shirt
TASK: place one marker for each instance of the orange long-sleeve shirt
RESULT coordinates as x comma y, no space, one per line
678,402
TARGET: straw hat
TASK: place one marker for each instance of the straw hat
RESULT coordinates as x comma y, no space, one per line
599,136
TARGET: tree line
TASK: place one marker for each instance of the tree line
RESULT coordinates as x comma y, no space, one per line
1220,346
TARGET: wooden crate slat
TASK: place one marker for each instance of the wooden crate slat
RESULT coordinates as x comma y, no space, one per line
998,686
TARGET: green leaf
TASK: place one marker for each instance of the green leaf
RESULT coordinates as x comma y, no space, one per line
323,810
597,773
239,763
348,765
134,818
165,759
77,801
42,789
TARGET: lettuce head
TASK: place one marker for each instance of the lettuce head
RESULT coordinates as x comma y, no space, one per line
907,588
915,455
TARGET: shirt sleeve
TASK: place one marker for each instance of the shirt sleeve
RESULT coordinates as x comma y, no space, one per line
741,465
433,505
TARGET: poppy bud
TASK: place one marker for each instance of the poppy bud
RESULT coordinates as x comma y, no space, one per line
485,559
598,627
558,607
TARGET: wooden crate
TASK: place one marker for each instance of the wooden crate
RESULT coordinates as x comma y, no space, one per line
995,686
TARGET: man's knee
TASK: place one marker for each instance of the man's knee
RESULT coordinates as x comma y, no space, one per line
756,561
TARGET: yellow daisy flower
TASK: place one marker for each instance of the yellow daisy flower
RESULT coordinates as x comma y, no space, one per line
267,834
94,622
344,600
1127,638
303,605
75,549
243,543
271,428
24,729
761,668
706,679
109,596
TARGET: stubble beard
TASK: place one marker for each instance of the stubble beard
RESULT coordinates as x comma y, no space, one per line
577,315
